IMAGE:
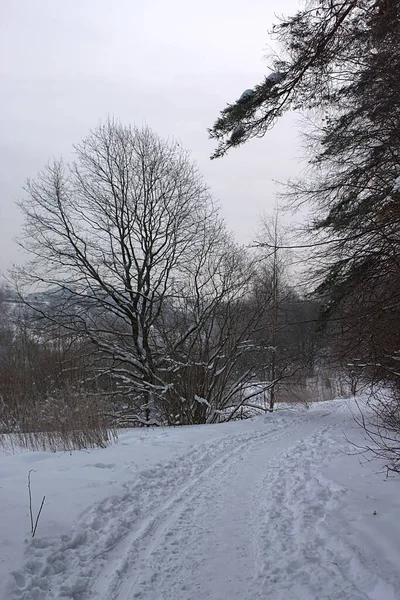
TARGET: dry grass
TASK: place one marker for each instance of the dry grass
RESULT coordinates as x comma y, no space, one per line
65,421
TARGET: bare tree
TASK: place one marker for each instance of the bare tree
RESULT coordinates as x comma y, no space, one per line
130,255
231,312
273,235
204,332
110,237
282,357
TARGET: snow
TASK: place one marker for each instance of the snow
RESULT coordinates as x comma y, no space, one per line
247,94
201,400
275,507
276,77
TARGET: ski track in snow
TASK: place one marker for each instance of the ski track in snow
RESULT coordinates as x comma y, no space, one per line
240,518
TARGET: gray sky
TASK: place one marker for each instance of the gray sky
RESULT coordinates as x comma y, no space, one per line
172,65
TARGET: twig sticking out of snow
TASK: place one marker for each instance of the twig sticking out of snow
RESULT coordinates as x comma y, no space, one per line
38,516
33,524
30,498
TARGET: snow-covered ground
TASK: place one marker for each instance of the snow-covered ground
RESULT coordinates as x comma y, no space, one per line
273,508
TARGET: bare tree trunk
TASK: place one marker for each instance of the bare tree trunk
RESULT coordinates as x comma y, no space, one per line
274,322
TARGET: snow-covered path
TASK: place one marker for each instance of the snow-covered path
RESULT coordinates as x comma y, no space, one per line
248,511
202,543
198,541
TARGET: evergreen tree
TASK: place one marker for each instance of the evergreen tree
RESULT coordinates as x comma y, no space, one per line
341,60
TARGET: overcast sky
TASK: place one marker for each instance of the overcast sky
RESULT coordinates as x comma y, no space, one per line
170,64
